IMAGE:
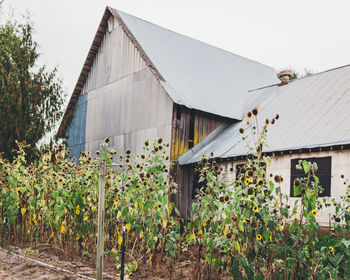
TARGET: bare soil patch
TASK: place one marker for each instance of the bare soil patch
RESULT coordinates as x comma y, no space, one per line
15,263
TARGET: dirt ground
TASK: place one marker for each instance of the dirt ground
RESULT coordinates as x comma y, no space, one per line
16,263
13,266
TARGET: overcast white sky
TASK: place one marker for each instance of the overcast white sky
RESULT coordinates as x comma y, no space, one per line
298,33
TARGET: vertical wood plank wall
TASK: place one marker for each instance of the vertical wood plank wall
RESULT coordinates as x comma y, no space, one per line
204,124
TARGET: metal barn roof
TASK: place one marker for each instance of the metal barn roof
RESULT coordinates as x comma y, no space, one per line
193,73
199,75
313,112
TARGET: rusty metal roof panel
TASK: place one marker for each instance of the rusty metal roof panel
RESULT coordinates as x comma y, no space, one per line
313,112
196,74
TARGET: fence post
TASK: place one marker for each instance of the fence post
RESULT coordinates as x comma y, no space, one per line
100,223
123,255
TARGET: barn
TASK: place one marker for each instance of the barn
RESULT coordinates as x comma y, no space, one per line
313,124
141,81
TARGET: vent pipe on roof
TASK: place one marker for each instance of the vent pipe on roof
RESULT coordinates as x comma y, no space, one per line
285,76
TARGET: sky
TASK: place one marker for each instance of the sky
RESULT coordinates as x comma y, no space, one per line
300,34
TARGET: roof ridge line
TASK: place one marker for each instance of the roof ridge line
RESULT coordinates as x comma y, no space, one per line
298,79
149,63
191,38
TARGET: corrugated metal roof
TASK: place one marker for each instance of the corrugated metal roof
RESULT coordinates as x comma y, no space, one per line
196,74
313,112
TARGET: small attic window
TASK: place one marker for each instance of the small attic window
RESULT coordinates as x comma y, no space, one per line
110,24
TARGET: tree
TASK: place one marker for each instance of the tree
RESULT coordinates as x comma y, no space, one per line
31,97
297,75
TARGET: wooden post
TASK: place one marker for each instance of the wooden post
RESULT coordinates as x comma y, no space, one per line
101,221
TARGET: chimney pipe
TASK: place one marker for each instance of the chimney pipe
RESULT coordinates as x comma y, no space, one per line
285,76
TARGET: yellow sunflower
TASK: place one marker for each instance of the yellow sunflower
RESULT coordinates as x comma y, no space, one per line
314,212
77,212
255,209
63,229
259,237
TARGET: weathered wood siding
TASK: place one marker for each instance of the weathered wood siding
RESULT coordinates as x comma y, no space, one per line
125,101
129,111
76,132
116,58
189,128
203,124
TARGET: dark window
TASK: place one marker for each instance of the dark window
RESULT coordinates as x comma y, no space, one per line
196,184
178,112
323,173
241,168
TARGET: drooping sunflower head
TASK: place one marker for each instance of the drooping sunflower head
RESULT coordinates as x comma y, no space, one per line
250,191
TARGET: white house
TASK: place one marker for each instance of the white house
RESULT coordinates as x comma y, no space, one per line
313,124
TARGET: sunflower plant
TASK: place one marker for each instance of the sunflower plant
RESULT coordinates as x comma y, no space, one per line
249,226
54,201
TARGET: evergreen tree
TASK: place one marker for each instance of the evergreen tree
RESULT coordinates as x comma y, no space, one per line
31,97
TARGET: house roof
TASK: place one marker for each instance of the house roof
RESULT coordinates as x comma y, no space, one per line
193,73
313,112
196,74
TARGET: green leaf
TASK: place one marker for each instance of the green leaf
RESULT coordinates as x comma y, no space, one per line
293,226
237,246
305,166
235,271
248,268
103,155
266,218
210,243
338,258
240,226
346,243
285,212
297,190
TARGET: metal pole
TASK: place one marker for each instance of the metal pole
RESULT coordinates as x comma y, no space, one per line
123,256
100,223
